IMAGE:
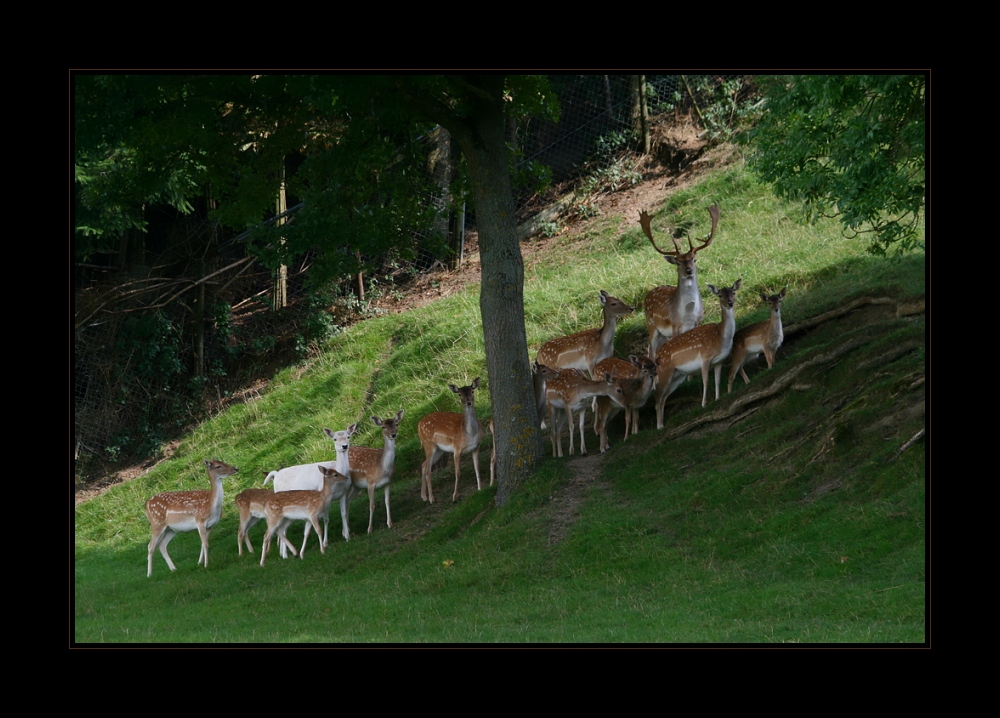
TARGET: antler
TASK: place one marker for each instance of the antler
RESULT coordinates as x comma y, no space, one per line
714,211
644,222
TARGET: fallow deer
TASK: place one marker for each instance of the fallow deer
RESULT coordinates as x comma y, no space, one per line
671,311
251,507
763,337
701,348
637,376
444,432
283,507
585,349
570,392
307,477
372,468
539,375
173,512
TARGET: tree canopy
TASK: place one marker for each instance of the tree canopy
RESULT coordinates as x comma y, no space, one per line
849,146
179,139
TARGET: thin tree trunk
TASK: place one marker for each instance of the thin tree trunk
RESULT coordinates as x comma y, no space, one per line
281,273
199,322
640,111
441,166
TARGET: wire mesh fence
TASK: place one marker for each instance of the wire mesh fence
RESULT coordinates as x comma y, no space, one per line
155,350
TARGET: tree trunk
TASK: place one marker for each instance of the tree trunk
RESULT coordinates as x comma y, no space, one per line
640,111
501,299
280,288
441,166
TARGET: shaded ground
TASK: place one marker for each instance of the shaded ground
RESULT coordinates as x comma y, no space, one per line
678,158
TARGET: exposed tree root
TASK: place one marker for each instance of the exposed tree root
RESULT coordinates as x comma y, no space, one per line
777,386
834,313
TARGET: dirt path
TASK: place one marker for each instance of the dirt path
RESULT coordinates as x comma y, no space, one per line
564,509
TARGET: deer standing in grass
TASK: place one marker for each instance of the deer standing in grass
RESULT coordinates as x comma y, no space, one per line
173,512
251,507
307,477
570,392
372,468
701,348
763,337
637,377
585,349
539,375
283,507
671,311
443,432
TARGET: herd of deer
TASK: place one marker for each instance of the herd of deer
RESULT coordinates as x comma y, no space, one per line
679,346
305,492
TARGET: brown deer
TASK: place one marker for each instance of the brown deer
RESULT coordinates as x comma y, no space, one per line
443,432
701,348
283,507
570,392
173,512
539,375
585,349
763,337
372,468
308,477
671,311
251,507
637,376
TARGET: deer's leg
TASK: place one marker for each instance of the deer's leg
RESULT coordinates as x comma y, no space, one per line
475,465
203,555
704,384
251,522
388,516
166,538
458,470
305,537
569,421
344,501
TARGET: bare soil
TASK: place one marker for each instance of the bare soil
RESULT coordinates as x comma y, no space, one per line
679,156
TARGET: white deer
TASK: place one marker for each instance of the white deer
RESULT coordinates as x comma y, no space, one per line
308,477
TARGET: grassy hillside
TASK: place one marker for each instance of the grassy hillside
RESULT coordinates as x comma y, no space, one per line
786,512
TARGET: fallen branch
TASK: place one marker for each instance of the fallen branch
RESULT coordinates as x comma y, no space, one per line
913,440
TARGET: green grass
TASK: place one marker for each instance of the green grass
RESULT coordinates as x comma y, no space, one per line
795,523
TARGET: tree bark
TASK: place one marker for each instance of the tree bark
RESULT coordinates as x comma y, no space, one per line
501,299
280,283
